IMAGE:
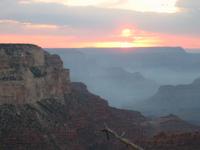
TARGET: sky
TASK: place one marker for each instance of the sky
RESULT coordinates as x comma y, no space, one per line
101,23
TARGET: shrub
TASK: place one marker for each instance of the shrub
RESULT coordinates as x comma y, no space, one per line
37,72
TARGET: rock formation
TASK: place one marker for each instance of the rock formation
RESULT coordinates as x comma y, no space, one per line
28,74
182,100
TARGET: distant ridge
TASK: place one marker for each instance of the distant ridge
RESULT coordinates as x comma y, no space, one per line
131,49
182,100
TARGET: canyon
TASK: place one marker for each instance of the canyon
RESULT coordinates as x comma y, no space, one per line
40,108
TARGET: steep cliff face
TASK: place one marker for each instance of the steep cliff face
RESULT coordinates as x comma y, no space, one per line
54,114
28,74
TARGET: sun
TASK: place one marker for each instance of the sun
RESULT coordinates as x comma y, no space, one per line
126,32
127,37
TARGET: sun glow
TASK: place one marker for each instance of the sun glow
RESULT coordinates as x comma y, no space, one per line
127,37
126,32
136,43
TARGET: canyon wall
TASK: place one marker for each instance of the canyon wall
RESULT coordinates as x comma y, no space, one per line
29,74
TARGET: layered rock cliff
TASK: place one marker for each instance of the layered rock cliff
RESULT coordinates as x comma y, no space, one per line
50,112
29,74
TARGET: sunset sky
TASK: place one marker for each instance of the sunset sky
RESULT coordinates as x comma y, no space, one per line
101,23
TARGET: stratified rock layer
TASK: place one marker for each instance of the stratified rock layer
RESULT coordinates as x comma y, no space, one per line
29,74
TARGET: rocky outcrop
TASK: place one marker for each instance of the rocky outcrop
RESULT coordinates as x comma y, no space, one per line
170,124
74,124
29,74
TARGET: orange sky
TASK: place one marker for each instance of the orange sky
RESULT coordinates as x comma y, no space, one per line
126,38
100,23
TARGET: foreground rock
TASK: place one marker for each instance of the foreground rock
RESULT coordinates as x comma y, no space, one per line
53,113
29,74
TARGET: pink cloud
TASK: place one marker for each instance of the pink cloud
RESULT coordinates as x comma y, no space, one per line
50,35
